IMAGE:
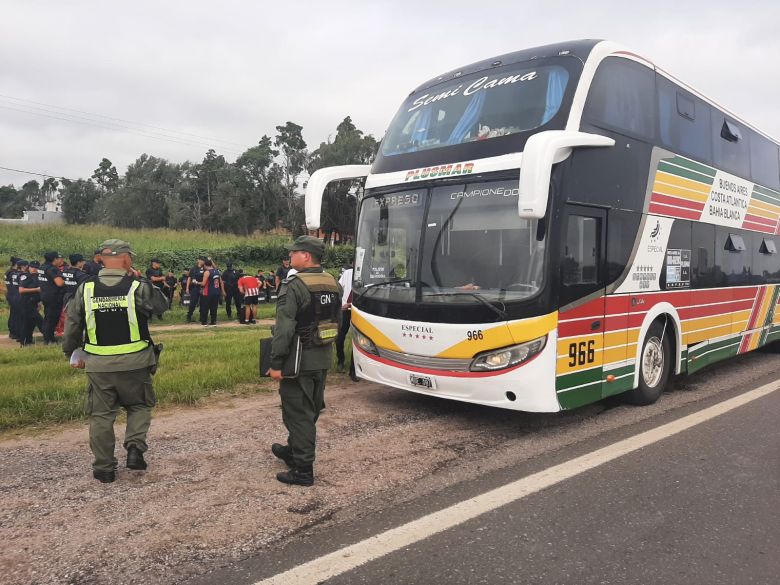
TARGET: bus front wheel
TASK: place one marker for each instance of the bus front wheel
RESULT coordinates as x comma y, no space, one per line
655,364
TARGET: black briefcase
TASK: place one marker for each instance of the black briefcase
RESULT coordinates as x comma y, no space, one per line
292,365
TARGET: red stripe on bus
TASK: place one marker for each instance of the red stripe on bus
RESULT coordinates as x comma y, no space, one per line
756,308
662,199
673,211
711,311
758,227
759,219
594,308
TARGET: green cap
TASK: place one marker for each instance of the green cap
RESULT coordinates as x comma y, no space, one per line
115,248
308,244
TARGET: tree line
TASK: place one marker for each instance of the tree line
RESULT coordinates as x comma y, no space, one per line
260,191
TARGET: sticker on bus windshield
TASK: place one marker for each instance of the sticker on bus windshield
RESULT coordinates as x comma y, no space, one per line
678,268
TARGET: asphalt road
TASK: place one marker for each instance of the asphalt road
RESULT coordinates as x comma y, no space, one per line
699,507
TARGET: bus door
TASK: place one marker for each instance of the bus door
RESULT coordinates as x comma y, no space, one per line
581,320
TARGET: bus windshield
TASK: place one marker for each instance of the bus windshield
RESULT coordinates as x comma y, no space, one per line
483,105
475,247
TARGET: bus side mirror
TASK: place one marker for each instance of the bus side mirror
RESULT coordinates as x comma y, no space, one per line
316,187
541,152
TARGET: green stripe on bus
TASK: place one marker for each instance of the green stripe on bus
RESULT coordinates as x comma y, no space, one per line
580,396
694,166
685,173
768,192
578,378
773,334
703,348
765,198
715,355
770,314
624,380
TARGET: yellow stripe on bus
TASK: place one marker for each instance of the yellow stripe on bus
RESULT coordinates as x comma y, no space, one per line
704,334
502,336
379,338
580,343
675,191
682,182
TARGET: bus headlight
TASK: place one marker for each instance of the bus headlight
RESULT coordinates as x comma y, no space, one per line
507,356
363,342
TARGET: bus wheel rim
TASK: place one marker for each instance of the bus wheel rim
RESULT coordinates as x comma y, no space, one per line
652,362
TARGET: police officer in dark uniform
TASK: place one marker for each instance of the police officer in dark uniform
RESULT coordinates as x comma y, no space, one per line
281,273
194,286
211,291
52,292
12,296
155,274
73,275
309,305
232,294
29,297
108,318
170,289
185,276
93,266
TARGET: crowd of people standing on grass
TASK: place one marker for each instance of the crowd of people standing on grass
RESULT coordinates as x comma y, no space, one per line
38,292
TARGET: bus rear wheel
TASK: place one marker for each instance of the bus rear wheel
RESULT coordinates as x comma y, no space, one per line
655,365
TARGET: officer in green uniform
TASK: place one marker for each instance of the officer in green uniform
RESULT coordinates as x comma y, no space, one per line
309,304
108,318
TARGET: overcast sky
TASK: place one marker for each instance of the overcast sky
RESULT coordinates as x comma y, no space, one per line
223,73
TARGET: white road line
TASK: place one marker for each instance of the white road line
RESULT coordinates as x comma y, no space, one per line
350,557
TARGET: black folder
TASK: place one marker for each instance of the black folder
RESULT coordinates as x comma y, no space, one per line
292,365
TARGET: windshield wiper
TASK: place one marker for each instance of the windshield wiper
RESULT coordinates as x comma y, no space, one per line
384,283
477,296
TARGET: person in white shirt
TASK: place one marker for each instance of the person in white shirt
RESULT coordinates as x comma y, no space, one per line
346,320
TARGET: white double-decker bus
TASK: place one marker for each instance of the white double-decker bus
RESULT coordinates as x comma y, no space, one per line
553,226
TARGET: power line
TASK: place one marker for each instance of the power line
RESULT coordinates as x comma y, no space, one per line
169,131
106,126
34,173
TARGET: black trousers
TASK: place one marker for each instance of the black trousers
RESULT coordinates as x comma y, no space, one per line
346,321
29,319
51,316
194,301
233,296
13,317
208,304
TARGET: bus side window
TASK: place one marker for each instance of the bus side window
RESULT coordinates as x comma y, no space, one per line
683,121
703,256
582,257
733,256
730,146
764,162
622,98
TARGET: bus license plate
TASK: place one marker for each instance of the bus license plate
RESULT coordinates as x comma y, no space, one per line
422,381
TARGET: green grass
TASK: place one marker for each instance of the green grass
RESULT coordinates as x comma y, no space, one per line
31,241
39,388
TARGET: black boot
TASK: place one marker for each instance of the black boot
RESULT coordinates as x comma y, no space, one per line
283,452
135,459
104,476
298,476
